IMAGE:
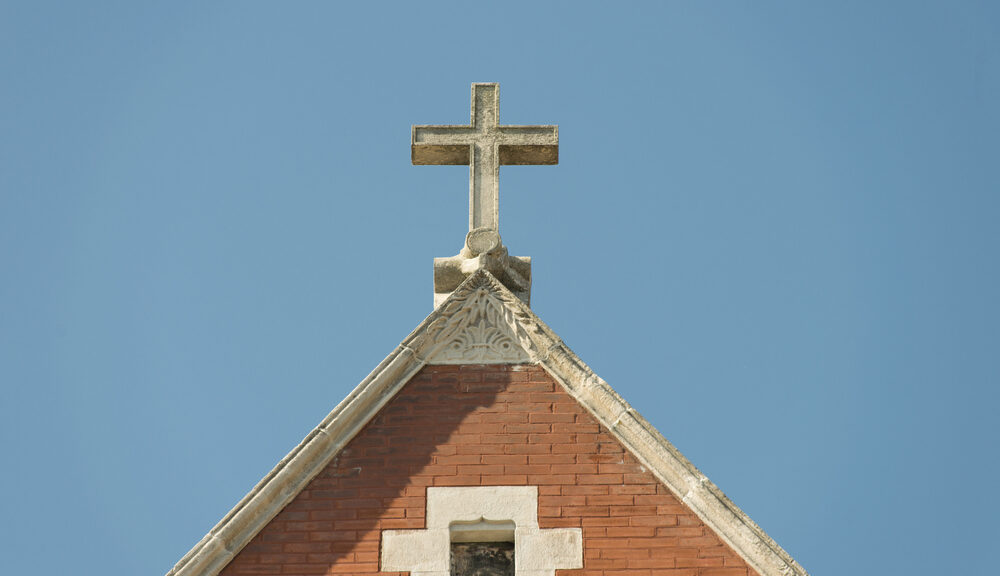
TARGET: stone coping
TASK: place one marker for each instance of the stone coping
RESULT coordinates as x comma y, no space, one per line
481,305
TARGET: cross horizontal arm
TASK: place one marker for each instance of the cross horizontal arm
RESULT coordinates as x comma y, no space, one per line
443,134
522,145
441,144
521,135
515,145
528,154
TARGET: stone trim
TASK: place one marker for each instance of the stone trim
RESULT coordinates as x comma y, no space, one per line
428,344
426,552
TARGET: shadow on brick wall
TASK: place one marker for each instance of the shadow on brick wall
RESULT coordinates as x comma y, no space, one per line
439,430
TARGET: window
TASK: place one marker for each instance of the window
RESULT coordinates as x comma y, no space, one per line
482,548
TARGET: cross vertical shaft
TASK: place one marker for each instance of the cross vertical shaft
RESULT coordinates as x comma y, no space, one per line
484,166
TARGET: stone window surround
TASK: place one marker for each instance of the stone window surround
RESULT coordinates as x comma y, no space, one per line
485,514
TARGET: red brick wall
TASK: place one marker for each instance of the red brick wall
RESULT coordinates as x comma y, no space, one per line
478,426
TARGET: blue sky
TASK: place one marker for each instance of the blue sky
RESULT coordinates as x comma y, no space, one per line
773,229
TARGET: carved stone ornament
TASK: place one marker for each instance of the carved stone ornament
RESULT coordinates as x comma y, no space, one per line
479,331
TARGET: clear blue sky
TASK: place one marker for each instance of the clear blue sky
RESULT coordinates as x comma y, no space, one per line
773,229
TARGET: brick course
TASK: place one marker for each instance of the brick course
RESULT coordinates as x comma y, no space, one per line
482,426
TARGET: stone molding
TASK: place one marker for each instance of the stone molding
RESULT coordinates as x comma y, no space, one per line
426,552
427,344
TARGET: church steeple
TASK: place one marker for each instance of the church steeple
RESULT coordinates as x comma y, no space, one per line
484,145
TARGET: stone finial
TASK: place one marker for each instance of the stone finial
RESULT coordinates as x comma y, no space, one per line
484,145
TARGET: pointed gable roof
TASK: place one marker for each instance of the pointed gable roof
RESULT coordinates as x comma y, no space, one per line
483,322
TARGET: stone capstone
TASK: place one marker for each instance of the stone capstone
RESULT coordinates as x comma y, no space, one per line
483,250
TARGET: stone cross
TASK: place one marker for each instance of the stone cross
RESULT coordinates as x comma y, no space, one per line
485,145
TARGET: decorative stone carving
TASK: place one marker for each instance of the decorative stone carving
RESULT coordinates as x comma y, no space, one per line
478,332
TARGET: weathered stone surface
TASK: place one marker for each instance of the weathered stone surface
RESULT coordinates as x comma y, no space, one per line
514,272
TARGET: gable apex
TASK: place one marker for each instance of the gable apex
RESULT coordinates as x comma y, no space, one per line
477,324
482,322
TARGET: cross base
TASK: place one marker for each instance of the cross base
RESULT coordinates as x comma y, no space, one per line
483,250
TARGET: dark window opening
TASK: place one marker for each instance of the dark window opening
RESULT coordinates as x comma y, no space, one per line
482,559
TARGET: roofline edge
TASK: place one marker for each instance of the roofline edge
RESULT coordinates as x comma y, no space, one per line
280,486
213,552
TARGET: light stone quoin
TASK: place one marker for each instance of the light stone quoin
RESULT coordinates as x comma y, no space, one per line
484,145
